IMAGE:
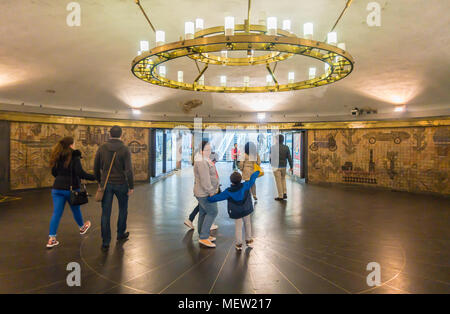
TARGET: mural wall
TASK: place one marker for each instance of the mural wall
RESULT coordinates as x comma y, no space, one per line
410,159
31,144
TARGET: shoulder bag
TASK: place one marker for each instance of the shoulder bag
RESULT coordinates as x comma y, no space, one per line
100,190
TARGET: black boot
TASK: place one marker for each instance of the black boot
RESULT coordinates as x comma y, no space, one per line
123,236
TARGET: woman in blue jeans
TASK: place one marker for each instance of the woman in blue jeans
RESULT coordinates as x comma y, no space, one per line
67,170
206,184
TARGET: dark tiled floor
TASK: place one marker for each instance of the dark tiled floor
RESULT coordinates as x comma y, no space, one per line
319,241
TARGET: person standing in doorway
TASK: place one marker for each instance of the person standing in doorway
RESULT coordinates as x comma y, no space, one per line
247,166
115,155
67,170
280,154
234,156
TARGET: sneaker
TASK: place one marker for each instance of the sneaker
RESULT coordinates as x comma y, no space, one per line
189,223
212,239
123,236
85,227
255,198
52,242
206,243
214,227
278,199
238,247
284,196
249,243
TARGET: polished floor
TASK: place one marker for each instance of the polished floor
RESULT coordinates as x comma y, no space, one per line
318,241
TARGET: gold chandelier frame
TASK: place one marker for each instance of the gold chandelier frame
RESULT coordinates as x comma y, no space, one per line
247,37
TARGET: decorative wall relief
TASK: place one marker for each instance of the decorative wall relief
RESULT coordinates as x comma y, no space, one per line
408,159
441,140
350,146
31,144
389,164
419,137
329,141
396,136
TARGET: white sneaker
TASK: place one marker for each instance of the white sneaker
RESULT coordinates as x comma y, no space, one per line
189,223
214,227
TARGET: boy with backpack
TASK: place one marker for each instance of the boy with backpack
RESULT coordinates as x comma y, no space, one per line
240,205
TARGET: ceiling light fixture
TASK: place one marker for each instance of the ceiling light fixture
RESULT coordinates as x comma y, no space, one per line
210,46
136,112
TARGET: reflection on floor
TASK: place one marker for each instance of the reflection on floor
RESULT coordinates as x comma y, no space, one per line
318,241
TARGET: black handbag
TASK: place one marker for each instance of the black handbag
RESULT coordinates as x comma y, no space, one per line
78,197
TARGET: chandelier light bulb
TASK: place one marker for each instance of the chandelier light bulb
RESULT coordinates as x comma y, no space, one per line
287,25
139,53
308,30
312,73
229,26
291,77
262,18
189,29
180,76
272,26
246,81
201,80
162,70
199,24
224,54
144,45
223,81
332,38
160,38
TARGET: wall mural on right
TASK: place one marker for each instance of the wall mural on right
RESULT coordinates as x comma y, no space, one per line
408,159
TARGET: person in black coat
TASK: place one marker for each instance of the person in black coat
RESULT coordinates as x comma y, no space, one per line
67,170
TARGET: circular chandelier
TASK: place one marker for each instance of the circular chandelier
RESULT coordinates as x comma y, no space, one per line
275,44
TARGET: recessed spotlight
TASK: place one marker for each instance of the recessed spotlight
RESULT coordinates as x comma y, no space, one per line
261,115
136,111
400,108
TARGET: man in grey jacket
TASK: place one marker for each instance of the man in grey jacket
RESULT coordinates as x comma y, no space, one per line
120,183
280,154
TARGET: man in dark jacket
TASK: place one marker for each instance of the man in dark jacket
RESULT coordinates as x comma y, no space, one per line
120,183
280,154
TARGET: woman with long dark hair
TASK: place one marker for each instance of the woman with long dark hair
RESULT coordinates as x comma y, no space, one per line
67,170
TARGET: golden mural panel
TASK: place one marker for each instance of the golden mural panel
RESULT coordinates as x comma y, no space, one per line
413,159
31,144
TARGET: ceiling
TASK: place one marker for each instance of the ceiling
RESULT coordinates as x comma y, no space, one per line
404,61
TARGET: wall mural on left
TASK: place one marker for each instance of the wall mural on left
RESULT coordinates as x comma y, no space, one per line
31,144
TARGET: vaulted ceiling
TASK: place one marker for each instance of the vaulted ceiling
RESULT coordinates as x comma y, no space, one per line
44,62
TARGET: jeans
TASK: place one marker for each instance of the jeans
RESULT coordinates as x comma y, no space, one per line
247,226
60,197
208,212
121,192
194,213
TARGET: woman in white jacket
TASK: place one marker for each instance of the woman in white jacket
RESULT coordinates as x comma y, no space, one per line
206,184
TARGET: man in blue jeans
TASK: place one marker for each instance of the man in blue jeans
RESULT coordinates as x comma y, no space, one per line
120,183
